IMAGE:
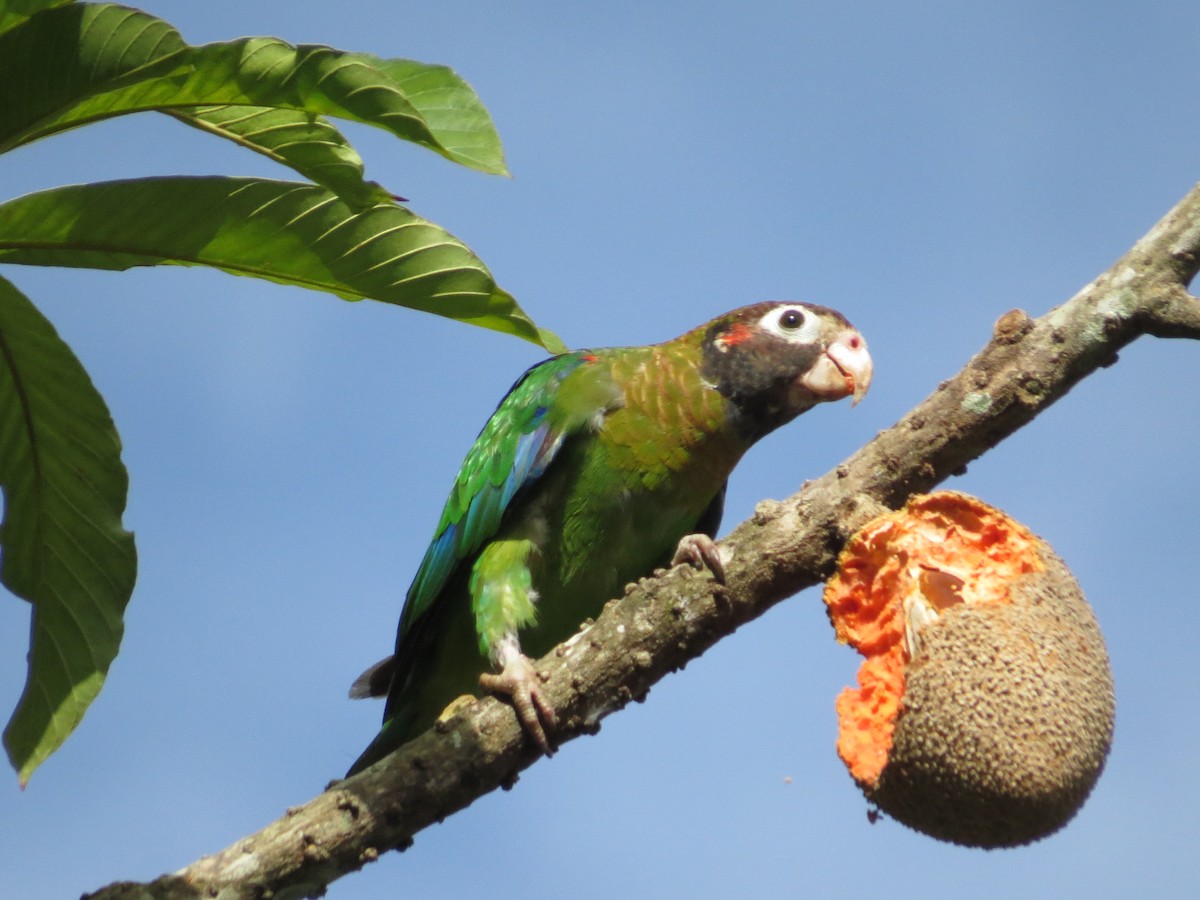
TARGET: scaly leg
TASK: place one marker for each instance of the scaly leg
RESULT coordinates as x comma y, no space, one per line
520,682
700,551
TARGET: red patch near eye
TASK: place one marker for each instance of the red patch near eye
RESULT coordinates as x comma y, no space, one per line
737,334
590,357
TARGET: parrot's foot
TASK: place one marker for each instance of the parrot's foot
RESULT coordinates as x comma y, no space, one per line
700,551
520,682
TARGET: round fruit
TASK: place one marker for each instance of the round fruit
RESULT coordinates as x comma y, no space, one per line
984,710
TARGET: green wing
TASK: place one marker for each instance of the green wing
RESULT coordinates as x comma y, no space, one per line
512,452
549,403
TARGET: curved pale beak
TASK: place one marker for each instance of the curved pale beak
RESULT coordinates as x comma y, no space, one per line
844,371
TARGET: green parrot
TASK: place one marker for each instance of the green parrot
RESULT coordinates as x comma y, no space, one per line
596,468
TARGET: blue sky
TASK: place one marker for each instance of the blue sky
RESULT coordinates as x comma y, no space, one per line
922,167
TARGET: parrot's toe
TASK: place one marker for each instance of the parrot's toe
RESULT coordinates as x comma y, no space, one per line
520,682
700,551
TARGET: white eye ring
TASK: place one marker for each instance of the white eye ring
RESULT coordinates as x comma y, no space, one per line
794,324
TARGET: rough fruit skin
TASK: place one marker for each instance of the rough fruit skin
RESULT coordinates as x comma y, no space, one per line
1007,710
1007,720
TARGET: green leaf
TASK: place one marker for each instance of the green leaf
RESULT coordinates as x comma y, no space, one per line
304,142
14,12
61,62
283,231
452,109
551,341
64,547
73,65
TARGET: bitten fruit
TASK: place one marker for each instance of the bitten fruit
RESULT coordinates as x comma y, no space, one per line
984,709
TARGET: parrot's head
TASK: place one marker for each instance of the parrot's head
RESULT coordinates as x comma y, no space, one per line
773,361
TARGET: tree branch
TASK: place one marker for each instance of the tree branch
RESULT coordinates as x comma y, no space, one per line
663,622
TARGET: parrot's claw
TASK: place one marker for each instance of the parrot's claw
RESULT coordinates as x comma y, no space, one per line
700,551
520,682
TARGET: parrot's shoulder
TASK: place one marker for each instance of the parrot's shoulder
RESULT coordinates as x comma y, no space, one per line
550,402
555,399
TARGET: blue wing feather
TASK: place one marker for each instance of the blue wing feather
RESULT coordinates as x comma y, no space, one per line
523,430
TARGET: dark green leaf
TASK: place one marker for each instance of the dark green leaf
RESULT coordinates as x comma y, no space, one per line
69,66
282,231
64,547
302,141
14,12
61,61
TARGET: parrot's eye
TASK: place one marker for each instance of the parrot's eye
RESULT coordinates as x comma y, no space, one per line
791,319
793,323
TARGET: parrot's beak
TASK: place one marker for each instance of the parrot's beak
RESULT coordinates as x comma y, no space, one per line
844,371
849,353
